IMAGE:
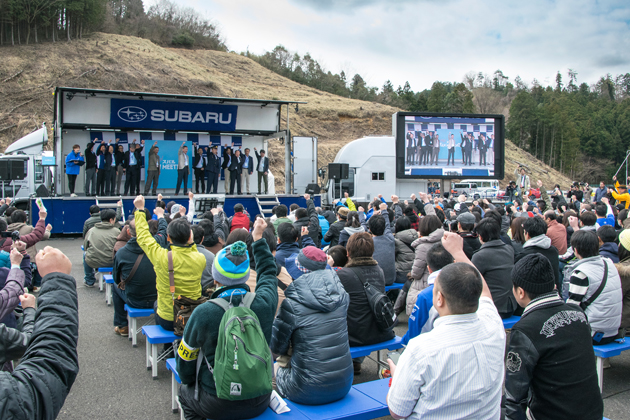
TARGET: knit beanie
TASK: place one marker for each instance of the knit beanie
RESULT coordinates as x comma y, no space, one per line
309,259
534,274
231,265
624,239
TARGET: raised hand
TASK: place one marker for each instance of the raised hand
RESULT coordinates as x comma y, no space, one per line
27,300
307,197
160,197
52,260
304,231
138,202
382,207
191,195
159,212
540,184
259,228
16,257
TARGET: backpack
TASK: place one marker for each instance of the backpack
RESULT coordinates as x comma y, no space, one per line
242,361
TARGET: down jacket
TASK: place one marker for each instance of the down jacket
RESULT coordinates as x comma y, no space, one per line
419,271
39,385
312,320
405,254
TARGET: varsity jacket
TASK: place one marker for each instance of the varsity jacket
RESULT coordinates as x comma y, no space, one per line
550,365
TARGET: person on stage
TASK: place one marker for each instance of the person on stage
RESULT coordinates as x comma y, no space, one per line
110,180
262,167
90,169
199,163
182,168
235,168
119,158
104,159
74,160
227,162
436,149
213,171
411,147
248,169
153,171
483,149
132,162
451,150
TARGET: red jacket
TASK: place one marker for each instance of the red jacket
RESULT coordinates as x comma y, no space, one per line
558,235
239,220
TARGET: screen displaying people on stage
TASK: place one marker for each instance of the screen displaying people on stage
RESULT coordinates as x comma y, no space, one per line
449,146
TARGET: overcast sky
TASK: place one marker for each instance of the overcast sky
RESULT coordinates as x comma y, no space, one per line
422,41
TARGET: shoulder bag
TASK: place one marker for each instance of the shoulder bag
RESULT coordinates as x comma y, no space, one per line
381,306
183,307
127,279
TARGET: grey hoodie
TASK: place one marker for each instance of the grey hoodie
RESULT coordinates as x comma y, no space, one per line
347,232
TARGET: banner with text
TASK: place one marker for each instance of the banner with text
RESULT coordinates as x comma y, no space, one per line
168,152
175,116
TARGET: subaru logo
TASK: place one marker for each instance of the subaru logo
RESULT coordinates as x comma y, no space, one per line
132,114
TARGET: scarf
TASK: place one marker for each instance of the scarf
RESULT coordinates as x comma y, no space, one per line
361,261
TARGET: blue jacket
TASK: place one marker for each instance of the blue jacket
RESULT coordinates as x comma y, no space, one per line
420,314
214,163
286,249
609,250
71,167
323,223
608,220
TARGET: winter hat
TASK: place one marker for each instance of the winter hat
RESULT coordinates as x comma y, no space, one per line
231,265
343,212
175,208
467,218
624,239
534,274
309,259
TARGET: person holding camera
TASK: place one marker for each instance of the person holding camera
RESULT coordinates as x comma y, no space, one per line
8,238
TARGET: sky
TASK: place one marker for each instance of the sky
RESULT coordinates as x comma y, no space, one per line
422,41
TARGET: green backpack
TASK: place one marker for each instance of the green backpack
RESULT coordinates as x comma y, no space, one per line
242,361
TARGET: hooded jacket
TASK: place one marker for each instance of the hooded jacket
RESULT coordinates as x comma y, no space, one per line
419,271
541,244
25,229
99,245
39,385
89,223
585,276
610,250
284,250
362,327
312,319
404,252
347,232
30,240
323,225
311,221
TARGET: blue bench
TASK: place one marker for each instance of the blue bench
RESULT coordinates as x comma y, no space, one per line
393,344
394,286
358,404
157,335
508,323
132,315
606,351
109,283
100,274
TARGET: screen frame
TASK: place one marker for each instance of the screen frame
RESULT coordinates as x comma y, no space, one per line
399,136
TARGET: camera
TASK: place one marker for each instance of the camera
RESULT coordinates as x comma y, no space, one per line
15,235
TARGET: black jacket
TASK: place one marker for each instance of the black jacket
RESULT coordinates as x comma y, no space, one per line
544,248
141,287
39,385
362,328
90,157
119,157
108,158
224,165
471,243
495,261
13,342
550,364
265,161
137,153
213,163
334,231
236,164
311,222
196,161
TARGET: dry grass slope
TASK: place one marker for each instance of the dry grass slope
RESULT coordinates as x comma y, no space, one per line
29,74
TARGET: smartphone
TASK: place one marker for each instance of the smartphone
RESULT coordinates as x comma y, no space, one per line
394,355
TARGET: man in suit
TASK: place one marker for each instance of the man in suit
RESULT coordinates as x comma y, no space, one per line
483,148
418,147
466,148
213,171
262,167
490,148
227,161
235,168
153,171
104,161
451,150
428,149
90,169
110,181
199,164
436,149
411,147
133,159
248,169
119,157
183,169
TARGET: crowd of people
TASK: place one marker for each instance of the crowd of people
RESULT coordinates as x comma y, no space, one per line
299,288
106,164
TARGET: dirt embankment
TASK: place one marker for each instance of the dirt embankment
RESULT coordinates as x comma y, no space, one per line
29,74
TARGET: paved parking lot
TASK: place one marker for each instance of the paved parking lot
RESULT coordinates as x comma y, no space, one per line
113,381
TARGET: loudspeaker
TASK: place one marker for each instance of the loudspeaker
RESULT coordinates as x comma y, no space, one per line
4,170
18,169
312,189
338,170
42,191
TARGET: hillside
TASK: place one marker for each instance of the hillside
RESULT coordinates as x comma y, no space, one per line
29,74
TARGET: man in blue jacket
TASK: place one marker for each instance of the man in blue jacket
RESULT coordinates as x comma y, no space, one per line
74,160
289,241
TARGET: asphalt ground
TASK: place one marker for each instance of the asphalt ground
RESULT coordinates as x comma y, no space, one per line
113,382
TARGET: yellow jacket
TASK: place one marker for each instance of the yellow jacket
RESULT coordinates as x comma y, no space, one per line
188,265
622,198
